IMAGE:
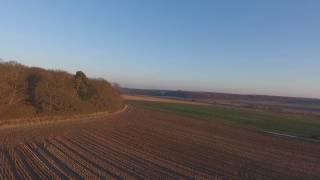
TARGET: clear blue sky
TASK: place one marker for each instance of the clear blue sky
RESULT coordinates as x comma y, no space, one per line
251,47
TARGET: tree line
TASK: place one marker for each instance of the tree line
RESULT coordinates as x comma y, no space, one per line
31,91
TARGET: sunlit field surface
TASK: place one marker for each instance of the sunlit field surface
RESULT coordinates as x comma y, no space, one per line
156,141
297,125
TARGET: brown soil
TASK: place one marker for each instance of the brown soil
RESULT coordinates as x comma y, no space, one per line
140,143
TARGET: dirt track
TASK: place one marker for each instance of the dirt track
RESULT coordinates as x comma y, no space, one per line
142,143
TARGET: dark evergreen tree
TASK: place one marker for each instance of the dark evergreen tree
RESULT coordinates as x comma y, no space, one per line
81,85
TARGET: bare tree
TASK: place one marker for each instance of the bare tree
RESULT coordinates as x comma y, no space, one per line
12,84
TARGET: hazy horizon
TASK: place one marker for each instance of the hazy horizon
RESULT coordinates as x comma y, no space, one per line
265,48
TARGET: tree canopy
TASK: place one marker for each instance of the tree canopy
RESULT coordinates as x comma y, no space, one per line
30,91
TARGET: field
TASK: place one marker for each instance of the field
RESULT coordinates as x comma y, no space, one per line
157,99
154,141
285,123
294,105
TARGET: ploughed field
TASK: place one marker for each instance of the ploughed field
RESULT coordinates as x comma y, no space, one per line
148,143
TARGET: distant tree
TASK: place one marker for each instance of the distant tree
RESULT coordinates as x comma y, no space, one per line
54,93
82,85
12,84
105,96
33,77
81,75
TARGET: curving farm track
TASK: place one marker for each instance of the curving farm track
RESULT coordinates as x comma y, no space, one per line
141,143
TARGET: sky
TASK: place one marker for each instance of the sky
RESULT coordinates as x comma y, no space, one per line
269,47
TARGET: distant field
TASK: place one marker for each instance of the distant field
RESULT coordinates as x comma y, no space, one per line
271,103
296,125
157,99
